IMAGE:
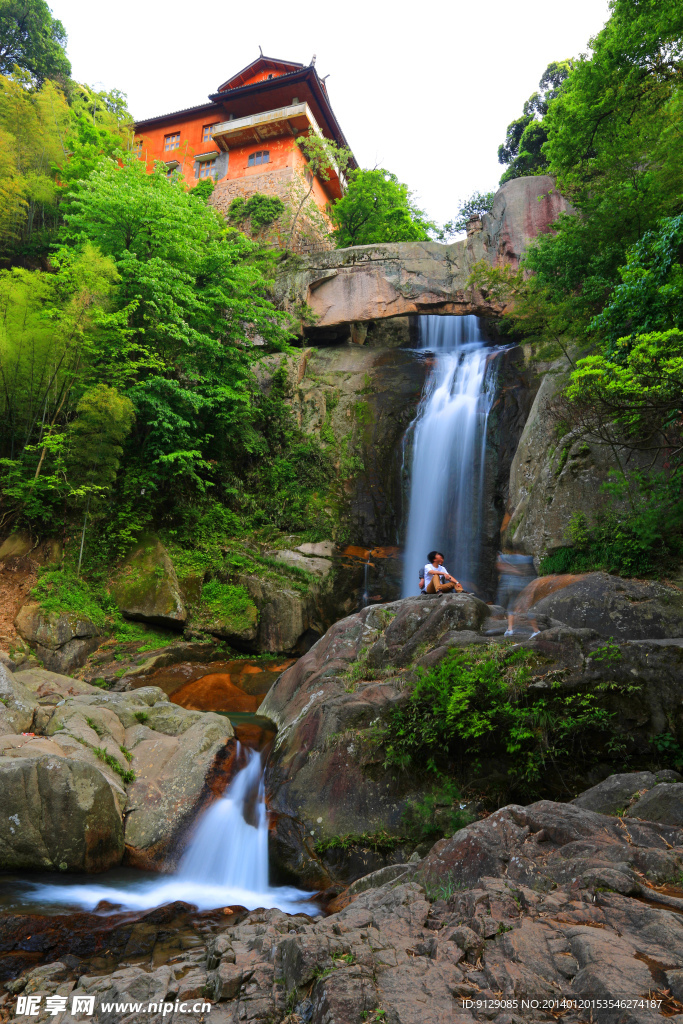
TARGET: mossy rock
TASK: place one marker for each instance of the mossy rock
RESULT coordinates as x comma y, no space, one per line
147,587
227,612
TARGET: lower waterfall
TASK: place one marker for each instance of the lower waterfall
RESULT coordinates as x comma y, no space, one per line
447,443
225,864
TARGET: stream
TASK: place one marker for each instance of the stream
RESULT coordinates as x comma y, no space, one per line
226,861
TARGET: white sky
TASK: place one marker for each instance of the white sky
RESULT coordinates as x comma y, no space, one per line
426,90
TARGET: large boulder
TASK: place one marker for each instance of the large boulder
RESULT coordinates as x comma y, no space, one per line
153,760
175,753
664,803
147,587
57,814
62,640
17,704
554,473
614,794
286,616
324,777
621,608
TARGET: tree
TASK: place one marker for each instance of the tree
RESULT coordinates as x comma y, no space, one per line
31,39
324,158
526,135
614,131
377,207
477,204
190,304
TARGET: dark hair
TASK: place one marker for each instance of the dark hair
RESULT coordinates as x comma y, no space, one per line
432,555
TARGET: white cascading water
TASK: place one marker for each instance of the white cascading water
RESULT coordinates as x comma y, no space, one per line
226,863
448,442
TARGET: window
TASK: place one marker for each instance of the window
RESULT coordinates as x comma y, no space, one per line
207,132
171,166
171,142
137,147
261,157
207,168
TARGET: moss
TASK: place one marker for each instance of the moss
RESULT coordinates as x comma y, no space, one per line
62,592
230,606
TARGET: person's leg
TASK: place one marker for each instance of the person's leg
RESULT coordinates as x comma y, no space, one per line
431,586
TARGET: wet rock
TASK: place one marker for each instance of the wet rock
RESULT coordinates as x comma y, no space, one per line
147,587
62,640
614,794
325,777
172,781
554,474
57,815
621,608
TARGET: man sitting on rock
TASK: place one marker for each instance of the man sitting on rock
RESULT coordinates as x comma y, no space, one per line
437,578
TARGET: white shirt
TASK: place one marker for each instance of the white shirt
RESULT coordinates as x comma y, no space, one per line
442,570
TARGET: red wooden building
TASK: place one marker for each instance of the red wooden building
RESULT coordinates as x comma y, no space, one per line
244,137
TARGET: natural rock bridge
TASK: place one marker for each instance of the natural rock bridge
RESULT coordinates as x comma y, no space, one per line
371,282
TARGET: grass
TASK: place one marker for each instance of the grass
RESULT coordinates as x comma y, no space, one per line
141,717
127,774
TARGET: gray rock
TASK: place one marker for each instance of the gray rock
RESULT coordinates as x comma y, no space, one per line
62,640
663,803
613,795
621,608
57,815
552,478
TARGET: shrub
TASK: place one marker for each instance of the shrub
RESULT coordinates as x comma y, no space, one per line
476,704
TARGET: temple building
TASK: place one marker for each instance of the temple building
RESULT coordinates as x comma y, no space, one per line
244,138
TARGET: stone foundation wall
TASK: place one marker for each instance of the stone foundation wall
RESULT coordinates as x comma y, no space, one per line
311,234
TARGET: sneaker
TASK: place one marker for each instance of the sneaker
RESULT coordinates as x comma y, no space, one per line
509,632
534,635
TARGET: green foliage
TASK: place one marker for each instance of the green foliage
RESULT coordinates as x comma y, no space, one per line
377,207
32,40
476,704
379,842
325,160
260,210
639,532
668,748
525,136
141,717
126,774
649,298
59,590
438,813
229,604
614,130
477,204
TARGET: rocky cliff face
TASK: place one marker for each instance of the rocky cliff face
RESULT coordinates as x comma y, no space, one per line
369,282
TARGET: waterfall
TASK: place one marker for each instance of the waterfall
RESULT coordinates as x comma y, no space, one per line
448,442
225,864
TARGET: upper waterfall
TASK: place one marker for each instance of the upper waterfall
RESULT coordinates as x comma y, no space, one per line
446,449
